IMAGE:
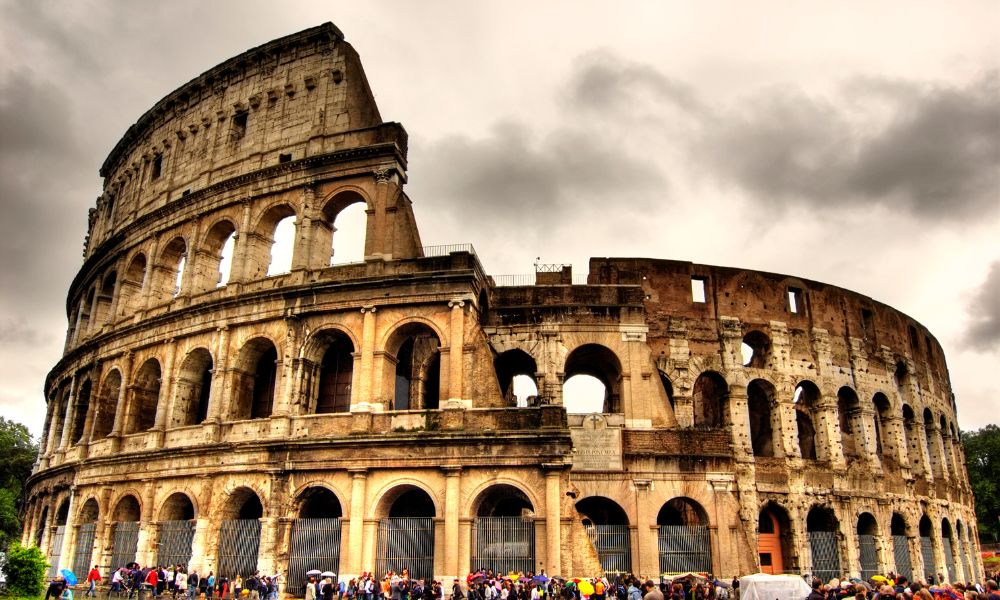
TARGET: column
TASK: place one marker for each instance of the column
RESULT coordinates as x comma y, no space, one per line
119,425
69,538
201,545
241,247
826,423
67,424
452,495
355,530
894,440
739,416
284,394
553,517
164,408
456,350
146,545
925,456
365,396
217,398
647,557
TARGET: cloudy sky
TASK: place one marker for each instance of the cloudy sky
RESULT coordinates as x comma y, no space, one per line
856,143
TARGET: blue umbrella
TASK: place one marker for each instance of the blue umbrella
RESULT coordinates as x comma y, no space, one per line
68,576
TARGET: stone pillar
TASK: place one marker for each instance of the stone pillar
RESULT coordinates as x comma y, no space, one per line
121,405
452,497
553,518
723,561
355,528
205,530
366,396
305,254
894,440
925,456
165,404
65,553
456,346
241,247
50,420
866,441
283,393
739,416
217,398
647,558
148,528
67,422
826,423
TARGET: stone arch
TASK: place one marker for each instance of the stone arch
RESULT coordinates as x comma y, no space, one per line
600,363
127,508
145,397
215,267
761,401
331,371
823,528
682,510
414,379
242,502
348,202
42,526
317,500
62,512
262,250
710,400
805,399
511,365
668,388
405,498
255,379
193,388
80,406
775,545
883,413
105,298
168,271
850,421
501,500
107,403
178,506
130,298
89,512
756,349
683,536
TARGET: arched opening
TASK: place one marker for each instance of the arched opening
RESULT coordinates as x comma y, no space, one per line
883,411
927,547
130,290
607,527
141,414
755,349
668,388
56,544
901,546
947,462
194,386
282,247
107,402
683,538
949,551
239,534
805,398
868,554
348,232
316,533
515,371
169,270
774,542
102,308
823,527
504,530
593,380
124,531
43,524
80,407
710,398
176,530
911,439
255,380
216,256
901,375
406,534
849,417
760,400
936,468
83,318
335,375
85,530
417,382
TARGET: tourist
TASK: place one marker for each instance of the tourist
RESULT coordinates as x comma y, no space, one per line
652,591
56,588
92,578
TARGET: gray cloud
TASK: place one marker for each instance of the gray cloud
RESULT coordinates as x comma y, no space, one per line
602,80
930,151
17,332
983,332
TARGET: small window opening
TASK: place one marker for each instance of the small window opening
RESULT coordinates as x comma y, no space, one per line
794,300
226,261
914,339
180,275
283,158
240,124
186,192
930,347
867,322
157,168
698,290
765,559
747,353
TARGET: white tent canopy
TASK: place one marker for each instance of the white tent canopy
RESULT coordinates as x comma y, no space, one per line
762,586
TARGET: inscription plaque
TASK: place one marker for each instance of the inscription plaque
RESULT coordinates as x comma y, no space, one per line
596,447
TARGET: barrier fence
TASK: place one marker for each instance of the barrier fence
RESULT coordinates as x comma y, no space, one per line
84,548
504,544
315,544
613,545
406,543
684,548
239,543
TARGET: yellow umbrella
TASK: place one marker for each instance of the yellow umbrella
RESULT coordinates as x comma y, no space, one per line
586,588
879,578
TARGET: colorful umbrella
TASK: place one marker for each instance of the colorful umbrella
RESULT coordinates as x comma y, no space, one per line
586,588
68,576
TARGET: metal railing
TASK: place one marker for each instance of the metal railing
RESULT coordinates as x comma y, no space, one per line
613,547
684,548
55,549
315,544
901,553
176,538
523,279
446,249
239,543
927,553
406,543
125,543
949,558
868,556
825,554
84,549
504,544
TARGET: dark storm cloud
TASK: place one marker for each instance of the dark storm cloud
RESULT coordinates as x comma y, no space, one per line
510,177
983,332
931,151
602,80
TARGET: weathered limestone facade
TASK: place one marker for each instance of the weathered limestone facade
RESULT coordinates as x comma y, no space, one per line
360,393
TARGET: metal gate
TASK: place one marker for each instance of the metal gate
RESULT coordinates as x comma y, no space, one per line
84,550
504,544
927,552
901,553
613,547
55,549
406,543
239,542
124,543
869,556
825,554
684,548
315,545
176,538
949,559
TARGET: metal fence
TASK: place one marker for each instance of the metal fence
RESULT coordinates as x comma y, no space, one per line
504,544
446,249
176,538
825,554
239,542
125,542
684,548
613,546
927,552
406,543
868,555
315,544
84,550
55,549
949,559
901,553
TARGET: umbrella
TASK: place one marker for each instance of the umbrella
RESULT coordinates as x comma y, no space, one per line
328,574
586,588
879,578
479,578
540,578
312,572
68,576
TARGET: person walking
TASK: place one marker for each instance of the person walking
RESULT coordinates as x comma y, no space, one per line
92,578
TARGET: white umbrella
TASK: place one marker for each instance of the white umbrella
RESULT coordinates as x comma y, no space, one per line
312,572
328,574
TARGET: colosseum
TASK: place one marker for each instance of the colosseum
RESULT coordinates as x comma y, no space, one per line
224,405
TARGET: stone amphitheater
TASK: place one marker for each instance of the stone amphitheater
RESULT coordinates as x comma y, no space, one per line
218,409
